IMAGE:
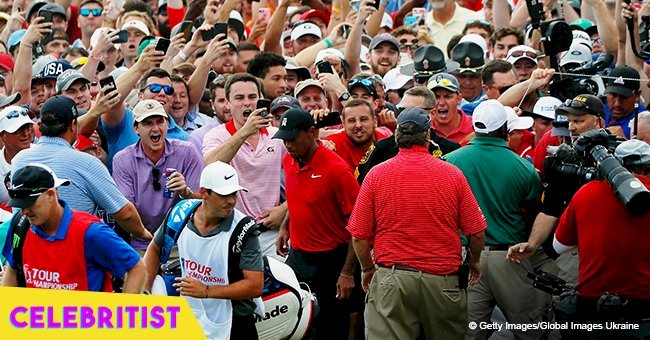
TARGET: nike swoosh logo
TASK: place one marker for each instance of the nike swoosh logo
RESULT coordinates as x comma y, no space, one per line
316,176
228,177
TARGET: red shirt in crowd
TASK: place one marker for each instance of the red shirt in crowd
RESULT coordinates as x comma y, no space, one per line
540,149
461,131
320,197
526,148
413,205
350,152
613,244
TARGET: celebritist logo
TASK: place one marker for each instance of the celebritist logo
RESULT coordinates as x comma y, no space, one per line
83,317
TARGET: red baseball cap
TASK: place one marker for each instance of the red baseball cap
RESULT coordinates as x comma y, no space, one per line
316,13
6,61
83,143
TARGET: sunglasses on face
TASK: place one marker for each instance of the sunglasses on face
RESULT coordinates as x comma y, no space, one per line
26,193
412,41
421,79
155,174
87,11
362,81
503,89
408,47
156,88
518,54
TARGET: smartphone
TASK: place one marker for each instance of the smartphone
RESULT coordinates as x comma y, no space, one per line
221,28
355,5
536,11
324,66
108,81
332,118
162,44
46,14
186,29
122,37
264,104
264,13
346,31
411,21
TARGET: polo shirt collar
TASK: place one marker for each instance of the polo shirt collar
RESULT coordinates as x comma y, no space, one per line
489,141
224,225
461,124
414,149
230,127
315,158
62,231
54,140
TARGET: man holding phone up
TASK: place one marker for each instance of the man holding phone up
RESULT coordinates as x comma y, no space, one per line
245,143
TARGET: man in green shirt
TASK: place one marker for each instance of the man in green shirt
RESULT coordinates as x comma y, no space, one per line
503,185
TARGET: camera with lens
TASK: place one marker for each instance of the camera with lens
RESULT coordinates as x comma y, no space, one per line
590,158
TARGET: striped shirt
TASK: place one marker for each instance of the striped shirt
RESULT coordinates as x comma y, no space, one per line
91,188
259,169
413,206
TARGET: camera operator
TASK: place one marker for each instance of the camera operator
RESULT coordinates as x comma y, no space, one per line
618,265
585,113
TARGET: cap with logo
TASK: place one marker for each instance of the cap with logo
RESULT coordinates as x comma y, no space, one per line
29,182
301,85
545,108
395,80
284,102
634,152
220,178
54,69
383,38
60,106
444,81
489,116
470,56
522,52
306,28
581,37
67,78
13,118
582,105
560,125
147,108
40,63
516,122
315,13
419,117
578,53
429,59
292,122
624,81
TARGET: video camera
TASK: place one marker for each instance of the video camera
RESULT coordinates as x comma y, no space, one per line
556,38
548,283
591,157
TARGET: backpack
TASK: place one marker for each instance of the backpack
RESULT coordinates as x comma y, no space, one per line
175,222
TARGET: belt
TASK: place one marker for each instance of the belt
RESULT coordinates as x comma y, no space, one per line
499,247
411,269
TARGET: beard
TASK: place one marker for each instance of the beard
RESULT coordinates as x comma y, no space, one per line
164,29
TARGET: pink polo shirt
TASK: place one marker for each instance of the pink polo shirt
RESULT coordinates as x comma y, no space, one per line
259,169
461,131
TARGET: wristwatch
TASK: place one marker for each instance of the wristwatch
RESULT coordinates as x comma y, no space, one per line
345,96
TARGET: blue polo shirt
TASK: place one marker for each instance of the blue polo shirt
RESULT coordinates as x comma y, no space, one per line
624,123
122,135
92,188
104,250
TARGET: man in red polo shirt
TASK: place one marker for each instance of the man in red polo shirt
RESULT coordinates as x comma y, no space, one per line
448,120
360,132
321,191
413,206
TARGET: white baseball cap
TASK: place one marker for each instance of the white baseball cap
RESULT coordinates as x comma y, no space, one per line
394,80
386,21
545,107
521,52
582,37
489,116
475,38
95,37
220,178
328,52
139,25
517,123
577,53
13,118
306,29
